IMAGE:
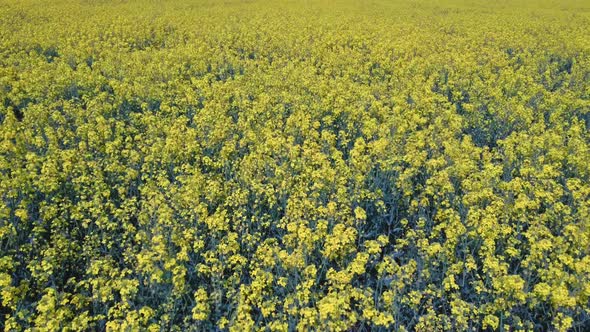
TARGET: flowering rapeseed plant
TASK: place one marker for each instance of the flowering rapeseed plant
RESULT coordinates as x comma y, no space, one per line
294,166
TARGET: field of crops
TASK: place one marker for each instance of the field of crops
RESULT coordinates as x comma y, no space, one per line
294,165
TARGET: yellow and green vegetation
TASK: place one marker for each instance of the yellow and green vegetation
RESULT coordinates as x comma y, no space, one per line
294,165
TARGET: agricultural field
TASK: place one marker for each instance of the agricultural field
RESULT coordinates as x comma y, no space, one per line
294,165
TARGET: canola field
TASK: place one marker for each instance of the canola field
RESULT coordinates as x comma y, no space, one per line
294,165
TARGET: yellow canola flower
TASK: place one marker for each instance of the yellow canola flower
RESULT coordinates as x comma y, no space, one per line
282,165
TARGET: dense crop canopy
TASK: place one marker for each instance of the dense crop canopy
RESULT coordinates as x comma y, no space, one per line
294,165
